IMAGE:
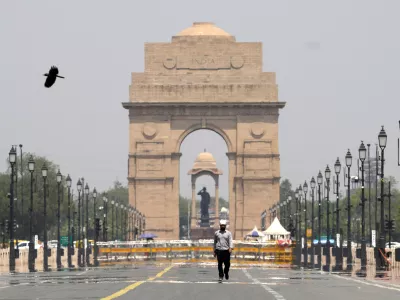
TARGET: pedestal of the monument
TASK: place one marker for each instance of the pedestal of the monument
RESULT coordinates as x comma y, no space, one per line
202,233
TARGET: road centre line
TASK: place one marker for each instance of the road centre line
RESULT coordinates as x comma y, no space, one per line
135,285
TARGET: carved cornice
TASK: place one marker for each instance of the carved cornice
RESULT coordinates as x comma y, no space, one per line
231,155
203,109
134,179
257,178
150,155
258,155
176,155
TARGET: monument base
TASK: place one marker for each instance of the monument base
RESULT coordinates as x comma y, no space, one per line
202,233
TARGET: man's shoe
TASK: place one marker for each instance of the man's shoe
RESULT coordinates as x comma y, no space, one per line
226,276
220,279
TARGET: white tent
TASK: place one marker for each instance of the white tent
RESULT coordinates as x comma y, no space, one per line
276,231
255,232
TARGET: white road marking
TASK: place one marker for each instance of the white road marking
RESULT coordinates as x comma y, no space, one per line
213,282
82,272
369,283
7,286
266,287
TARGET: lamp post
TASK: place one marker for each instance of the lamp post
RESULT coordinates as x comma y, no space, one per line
312,184
305,190
339,261
135,224
112,220
296,196
86,252
319,182
79,187
289,211
362,151
328,251
45,248
96,230
58,259
73,233
94,196
349,262
382,137
116,220
140,223
369,196
105,200
284,206
299,211
31,254
122,221
12,157
69,250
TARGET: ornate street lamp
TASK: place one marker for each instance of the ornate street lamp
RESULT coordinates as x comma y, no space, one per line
338,250
112,220
95,229
69,249
116,220
45,248
105,201
58,258
305,190
79,187
31,254
349,263
382,137
320,180
289,213
362,151
86,251
312,184
12,157
296,196
328,251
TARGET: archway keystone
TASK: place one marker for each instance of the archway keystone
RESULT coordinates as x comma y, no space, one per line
203,78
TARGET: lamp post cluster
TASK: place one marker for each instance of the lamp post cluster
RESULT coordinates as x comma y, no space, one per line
132,222
301,234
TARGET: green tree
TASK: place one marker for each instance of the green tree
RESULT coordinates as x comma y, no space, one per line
285,190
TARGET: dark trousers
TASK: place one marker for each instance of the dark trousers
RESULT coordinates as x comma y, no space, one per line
224,257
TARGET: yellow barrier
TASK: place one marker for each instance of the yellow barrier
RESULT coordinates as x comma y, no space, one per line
275,250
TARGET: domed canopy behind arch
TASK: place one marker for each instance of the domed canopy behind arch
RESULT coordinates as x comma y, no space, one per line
205,162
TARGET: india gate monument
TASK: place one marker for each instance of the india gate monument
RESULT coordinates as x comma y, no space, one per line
203,79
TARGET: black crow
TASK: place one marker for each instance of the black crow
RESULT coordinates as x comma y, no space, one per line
51,77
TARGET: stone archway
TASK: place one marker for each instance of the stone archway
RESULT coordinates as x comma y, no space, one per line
203,79
205,164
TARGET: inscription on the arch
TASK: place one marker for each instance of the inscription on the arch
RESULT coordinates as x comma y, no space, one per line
203,62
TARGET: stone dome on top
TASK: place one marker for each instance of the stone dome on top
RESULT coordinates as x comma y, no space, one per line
205,162
205,29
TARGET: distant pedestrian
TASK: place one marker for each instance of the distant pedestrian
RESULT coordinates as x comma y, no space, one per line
223,246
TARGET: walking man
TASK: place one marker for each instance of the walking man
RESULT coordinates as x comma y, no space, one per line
223,246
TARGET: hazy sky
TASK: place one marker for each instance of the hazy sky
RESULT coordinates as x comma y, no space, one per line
337,65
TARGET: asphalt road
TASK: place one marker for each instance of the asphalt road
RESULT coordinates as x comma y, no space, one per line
193,281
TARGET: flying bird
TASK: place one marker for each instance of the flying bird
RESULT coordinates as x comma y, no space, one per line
51,76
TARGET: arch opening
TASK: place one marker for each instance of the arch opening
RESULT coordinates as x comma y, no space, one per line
203,156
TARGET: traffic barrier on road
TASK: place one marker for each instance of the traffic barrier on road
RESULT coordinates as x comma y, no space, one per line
203,249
